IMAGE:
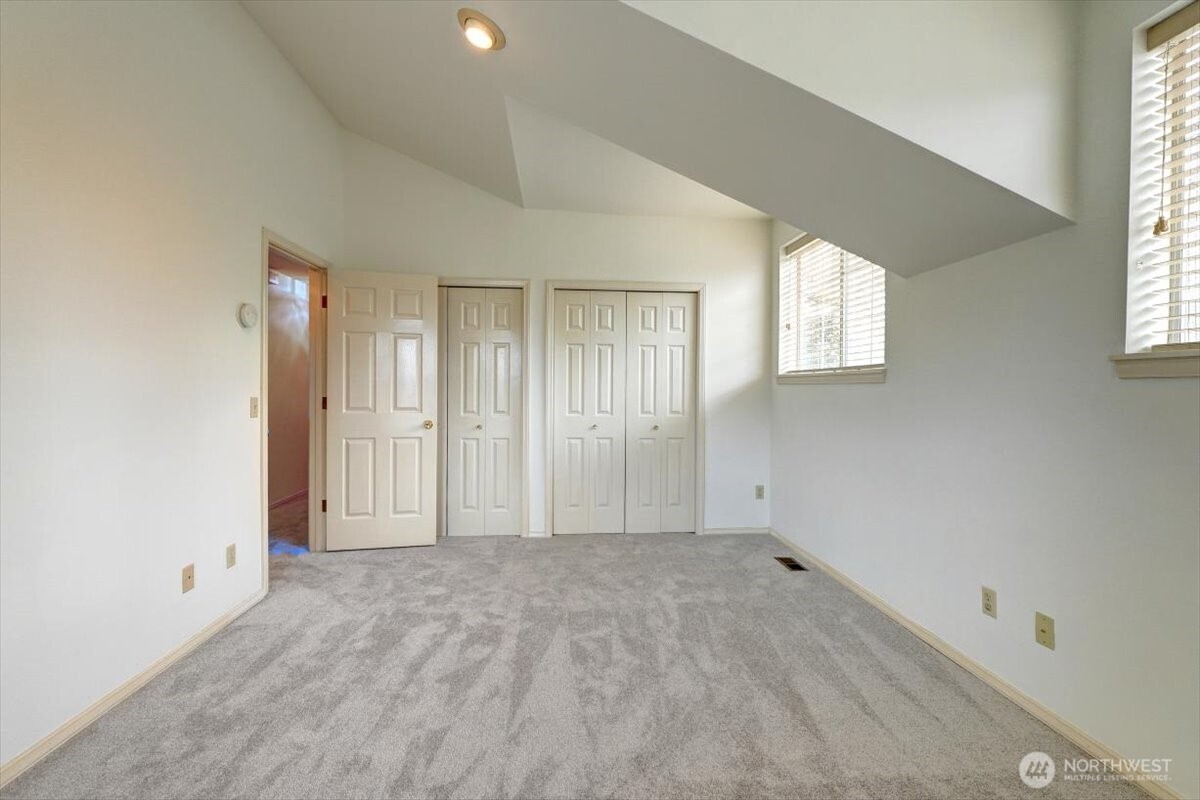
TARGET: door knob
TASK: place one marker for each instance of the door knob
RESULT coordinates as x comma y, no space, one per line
478,427
594,428
654,428
428,424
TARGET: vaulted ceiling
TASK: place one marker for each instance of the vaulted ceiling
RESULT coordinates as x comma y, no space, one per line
595,106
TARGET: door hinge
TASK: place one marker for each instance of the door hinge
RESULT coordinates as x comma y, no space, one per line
324,301
323,505
324,403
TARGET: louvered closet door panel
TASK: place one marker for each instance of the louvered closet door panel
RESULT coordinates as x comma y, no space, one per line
643,407
572,436
677,412
465,406
604,397
503,410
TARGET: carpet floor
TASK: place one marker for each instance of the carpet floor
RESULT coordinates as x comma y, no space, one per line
287,528
660,666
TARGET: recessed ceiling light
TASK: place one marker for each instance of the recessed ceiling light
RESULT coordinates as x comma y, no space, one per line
479,30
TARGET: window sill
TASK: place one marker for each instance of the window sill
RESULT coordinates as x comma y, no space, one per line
861,375
1163,364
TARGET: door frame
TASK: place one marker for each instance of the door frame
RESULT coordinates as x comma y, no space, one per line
316,391
697,289
526,407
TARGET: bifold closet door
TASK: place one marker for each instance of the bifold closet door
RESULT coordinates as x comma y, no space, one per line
484,408
660,475
589,412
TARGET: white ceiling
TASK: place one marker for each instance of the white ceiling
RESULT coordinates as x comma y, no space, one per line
561,166
401,74
593,105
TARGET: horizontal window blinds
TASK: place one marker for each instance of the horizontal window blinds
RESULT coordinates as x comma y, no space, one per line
1172,295
831,309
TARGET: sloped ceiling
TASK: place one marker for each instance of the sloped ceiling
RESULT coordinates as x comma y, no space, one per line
592,106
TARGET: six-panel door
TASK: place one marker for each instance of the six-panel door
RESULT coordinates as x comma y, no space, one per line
589,412
660,418
484,360
382,393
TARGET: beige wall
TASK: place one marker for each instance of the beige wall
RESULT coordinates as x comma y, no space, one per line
287,378
1004,451
142,157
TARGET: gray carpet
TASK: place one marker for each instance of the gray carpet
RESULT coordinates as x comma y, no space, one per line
668,666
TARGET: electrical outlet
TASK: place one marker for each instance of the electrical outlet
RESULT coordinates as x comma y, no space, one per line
230,556
1043,630
189,577
253,408
989,602
760,492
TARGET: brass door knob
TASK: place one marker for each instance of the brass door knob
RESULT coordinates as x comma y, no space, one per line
428,424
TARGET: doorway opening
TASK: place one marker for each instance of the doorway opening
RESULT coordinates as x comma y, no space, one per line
294,373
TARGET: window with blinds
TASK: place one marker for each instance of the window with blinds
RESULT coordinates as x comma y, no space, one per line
831,309
1168,296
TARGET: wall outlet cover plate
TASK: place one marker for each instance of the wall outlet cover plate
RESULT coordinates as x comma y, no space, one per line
1043,630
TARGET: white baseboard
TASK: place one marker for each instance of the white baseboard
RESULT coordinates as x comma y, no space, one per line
285,500
714,531
1053,721
77,723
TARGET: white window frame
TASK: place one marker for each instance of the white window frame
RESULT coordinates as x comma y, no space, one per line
1143,358
875,373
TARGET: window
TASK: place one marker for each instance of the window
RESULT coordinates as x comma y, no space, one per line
831,314
1164,280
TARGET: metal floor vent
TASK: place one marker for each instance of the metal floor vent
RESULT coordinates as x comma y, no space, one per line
791,563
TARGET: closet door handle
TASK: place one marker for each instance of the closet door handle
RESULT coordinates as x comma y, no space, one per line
428,424
594,428
478,427
654,428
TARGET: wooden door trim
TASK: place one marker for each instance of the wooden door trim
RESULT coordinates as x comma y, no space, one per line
526,405
316,388
697,289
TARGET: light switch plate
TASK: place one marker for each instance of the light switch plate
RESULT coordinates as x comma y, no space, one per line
189,577
1043,630
253,408
230,556
760,492
989,602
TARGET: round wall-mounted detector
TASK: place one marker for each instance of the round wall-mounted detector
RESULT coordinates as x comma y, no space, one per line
247,315
480,31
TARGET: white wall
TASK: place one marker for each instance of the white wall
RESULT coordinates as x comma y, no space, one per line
401,215
989,85
1003,451
145,146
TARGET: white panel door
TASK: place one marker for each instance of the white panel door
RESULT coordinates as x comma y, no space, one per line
504,416
465,383
484,410
660,413
589,404
382,446
677,411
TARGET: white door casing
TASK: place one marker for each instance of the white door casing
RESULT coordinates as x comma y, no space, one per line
589,402
382,445
484,360
660,412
